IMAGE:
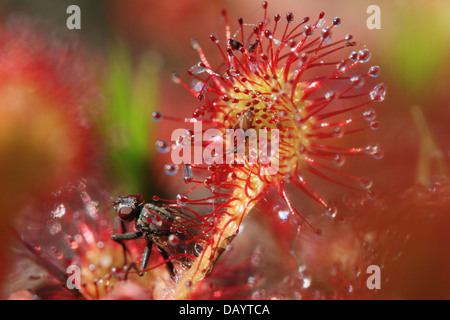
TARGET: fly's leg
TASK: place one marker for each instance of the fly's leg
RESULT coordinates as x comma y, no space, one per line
126,236
124,247
146,257
125,250
130,267
169,263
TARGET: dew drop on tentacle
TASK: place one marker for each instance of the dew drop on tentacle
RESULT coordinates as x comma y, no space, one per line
370,115
187,173
357,81
374,71
289,17
318,232
173,240
197,69
185,140
374,125
231,177
162,146
308,31
326,34
182,199
375,151
170,169
283,214
115,271
156,116
199,113
378,92
321,21
330,95
213,38
197,85
339,160
365,183
332,211
364,55
336,21
353,56
176,78
338,132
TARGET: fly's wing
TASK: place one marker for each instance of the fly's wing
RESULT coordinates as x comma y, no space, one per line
184,235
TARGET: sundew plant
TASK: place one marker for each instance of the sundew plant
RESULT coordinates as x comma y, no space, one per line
269,72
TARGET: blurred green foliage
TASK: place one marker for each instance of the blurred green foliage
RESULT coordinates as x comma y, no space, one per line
419,45
131,93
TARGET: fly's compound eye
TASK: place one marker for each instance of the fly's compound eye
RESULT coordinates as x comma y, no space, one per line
125,213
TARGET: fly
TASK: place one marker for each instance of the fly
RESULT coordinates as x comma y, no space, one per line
235,45
155,224
252,46
246,120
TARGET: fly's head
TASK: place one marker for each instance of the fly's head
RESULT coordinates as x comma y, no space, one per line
129,207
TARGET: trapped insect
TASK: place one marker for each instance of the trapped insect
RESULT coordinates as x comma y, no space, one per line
168,228
246,120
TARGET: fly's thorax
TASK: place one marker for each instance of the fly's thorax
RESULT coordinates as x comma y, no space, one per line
151,223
